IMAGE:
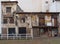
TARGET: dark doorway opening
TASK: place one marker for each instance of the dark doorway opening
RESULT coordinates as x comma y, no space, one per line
11,31
22,31
55,32
43,32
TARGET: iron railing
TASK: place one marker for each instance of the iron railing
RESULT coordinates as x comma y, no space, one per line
15,36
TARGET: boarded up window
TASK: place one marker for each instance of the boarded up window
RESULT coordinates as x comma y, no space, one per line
34,20
4,30
33,17
48,20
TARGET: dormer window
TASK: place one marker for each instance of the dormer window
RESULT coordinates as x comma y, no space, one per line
8,9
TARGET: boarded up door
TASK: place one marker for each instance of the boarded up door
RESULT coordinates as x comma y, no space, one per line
4,30
36,32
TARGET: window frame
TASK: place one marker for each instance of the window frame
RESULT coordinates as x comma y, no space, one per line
8,9
11,21
4,20
22,19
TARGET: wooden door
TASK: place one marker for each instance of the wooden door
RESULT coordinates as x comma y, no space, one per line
36,32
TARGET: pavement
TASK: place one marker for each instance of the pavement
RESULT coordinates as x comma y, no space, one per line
53,40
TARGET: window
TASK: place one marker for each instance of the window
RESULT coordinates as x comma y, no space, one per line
5,21
22,30
8,9
23,20
11,20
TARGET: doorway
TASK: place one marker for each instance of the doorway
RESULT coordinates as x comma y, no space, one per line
11,31
22,31
43,32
